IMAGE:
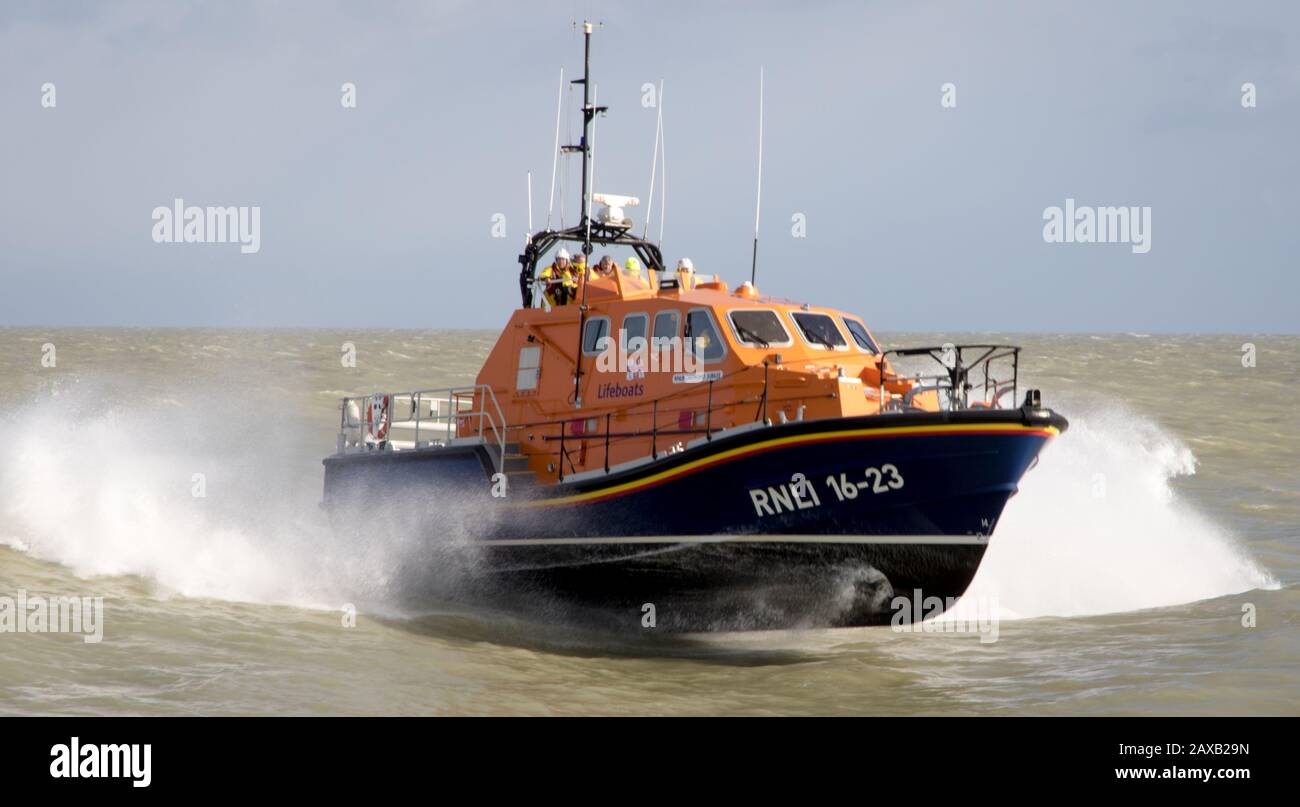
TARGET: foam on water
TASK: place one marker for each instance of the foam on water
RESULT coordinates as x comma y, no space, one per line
112,492
1095,529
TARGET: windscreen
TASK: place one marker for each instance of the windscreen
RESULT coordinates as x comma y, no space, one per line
819,329
759,328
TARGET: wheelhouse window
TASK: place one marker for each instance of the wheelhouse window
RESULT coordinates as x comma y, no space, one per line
759,328
819,329
665,340
666,324
702,335
634,326
597,328
859,333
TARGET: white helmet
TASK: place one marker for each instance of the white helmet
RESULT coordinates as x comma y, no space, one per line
562,254
685,265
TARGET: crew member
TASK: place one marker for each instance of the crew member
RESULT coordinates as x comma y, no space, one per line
606,267
686,274
560,284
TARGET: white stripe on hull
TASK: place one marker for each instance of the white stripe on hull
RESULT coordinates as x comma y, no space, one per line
945,540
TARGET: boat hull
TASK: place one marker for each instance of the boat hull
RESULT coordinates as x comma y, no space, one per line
803,524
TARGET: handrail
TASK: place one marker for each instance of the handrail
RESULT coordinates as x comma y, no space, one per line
479,404
356,435
606,439
651,407
490,394
955,378
655,412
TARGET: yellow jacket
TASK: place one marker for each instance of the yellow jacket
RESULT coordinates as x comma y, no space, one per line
566,275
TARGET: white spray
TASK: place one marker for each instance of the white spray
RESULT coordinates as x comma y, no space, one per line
1096,528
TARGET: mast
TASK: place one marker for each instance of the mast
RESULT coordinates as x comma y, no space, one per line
586,126
589,111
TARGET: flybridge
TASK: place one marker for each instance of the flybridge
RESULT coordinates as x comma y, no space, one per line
610,226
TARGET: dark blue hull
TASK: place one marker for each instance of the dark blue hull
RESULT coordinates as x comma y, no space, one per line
812,523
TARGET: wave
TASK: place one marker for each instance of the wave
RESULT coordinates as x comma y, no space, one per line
1098,528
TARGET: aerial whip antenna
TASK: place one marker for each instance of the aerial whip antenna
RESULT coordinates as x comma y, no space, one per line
590,182
530,204
758,202
654,161
555,159
663,170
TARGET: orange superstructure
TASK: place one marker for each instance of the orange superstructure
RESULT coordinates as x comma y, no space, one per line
660,366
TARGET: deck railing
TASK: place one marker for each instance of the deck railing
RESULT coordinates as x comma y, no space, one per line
437,417
668,424
965,368
422,419
998,367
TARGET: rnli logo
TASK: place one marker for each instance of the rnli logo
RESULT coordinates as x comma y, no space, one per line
635,367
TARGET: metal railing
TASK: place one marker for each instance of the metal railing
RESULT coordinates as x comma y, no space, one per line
686,420
996,369
436,417
423,419
953,384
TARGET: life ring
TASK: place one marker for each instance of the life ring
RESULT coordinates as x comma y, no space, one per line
377,417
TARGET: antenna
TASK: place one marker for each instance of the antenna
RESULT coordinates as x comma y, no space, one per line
654,160
530,205
663,170
555,160
565,179
590,183
588,113
758,202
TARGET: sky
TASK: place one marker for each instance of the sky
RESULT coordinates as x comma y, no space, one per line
917,213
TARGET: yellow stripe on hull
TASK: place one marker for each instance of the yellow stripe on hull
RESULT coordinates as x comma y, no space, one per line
778,442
